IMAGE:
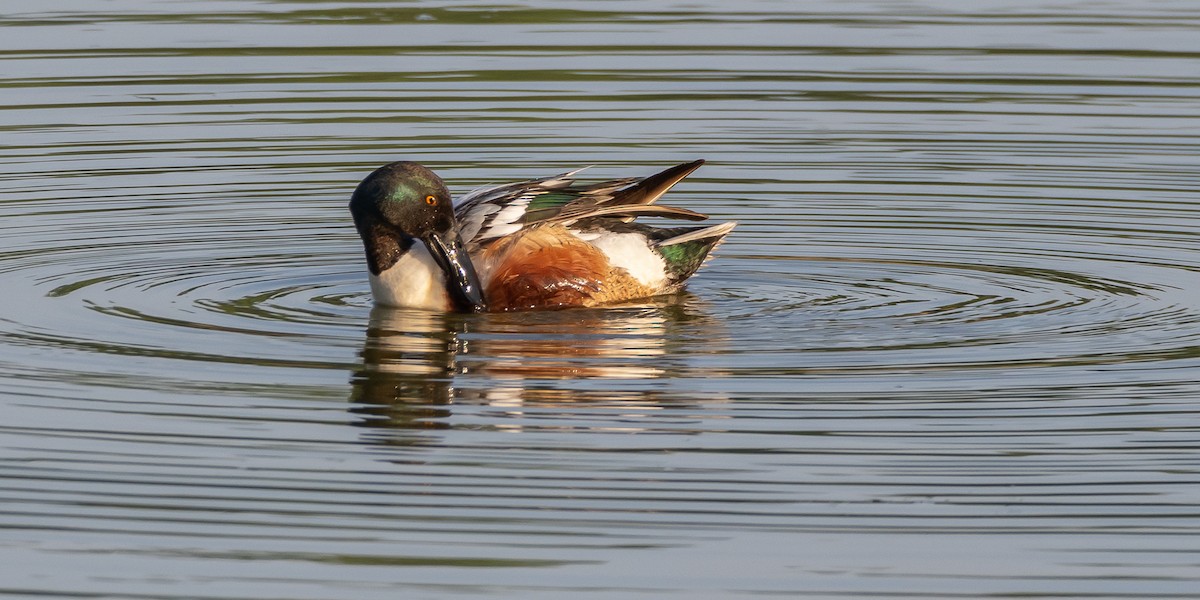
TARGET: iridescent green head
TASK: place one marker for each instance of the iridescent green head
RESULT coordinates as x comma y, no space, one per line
403,202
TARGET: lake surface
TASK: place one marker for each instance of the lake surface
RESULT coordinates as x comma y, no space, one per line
952,351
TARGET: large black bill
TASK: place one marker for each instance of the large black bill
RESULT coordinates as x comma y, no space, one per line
461,281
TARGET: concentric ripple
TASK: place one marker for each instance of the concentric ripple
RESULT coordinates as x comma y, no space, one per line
175,283
950,350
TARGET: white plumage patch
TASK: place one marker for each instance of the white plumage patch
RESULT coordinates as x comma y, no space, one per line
415,281
632,252
514,210
470,222
485,221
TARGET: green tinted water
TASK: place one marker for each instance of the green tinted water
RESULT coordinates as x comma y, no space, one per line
951,351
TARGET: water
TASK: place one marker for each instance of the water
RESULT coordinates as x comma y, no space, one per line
951,351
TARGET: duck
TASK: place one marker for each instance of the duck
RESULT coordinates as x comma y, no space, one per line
547,243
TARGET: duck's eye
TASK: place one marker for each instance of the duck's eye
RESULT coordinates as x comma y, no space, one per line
431,200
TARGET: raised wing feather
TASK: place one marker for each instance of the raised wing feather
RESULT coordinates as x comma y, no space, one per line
495,212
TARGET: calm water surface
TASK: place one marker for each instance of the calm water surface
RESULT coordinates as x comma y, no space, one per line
951,352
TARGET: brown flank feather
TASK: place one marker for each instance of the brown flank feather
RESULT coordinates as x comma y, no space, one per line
548,267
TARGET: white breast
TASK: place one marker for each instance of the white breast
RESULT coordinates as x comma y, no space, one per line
415,281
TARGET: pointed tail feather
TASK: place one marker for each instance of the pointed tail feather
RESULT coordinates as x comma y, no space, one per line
719,230
686,252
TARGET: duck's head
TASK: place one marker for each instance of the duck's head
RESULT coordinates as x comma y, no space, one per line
402,202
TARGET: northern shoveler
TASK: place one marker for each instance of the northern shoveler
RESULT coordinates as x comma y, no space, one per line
544,243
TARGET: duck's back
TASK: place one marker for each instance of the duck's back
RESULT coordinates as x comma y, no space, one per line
547,243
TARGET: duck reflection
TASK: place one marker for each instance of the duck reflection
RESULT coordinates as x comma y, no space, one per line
415,364
408,365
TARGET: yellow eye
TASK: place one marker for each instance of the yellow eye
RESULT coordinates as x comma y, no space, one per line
431,200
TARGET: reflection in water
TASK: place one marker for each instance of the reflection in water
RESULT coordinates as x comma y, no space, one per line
415,363
408,364
951,352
